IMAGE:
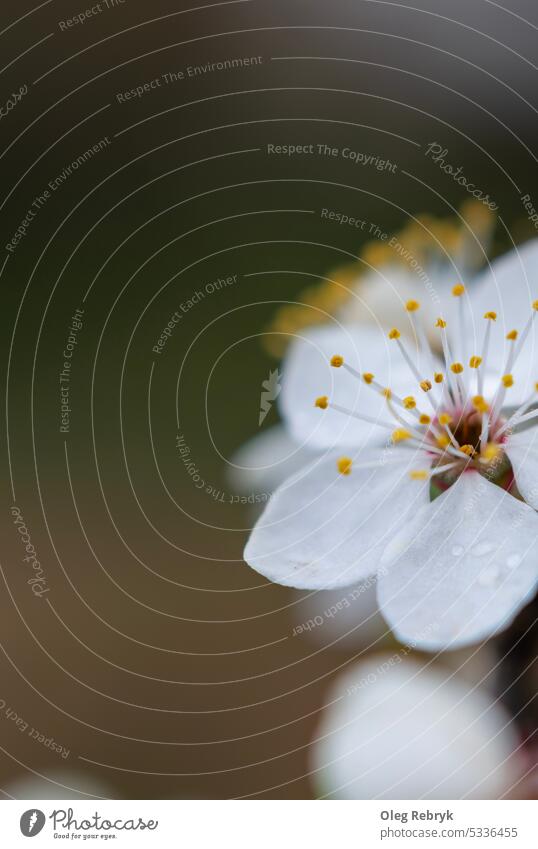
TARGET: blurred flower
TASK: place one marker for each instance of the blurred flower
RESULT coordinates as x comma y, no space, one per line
451,571
393,729
421,261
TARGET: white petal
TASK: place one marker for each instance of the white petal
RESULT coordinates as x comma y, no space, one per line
266,461
462,568
395,730
522,450
323,530
307,374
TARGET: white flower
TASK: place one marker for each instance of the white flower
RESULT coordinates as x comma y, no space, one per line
395,730
453,570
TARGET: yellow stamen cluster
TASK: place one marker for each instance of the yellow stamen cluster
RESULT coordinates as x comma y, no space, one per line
344,465
322,402
468,449
412,306
458,290
440,323
491,315
475,362
400,435
424,419
425,385
457,368
394,333
507,380
368,377
438,377
480,404
445,419
512,336
337,361
409,403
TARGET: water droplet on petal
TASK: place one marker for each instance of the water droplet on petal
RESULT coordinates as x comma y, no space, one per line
457,550
488,577
513,560
482,548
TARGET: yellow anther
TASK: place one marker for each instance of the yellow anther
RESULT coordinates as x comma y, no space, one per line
492,316
322,402
468,449
394,333
368,377
419,475
445,419
412,306
337,361
387,393
438,377
474,362
507,380
490,452
512,335
400,435
536,387
535,305
480,404
457,368
443,440
440,322
409,403
458,290
344,465
425,385
424,419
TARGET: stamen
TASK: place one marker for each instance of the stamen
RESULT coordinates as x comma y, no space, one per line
412,306
337,361
394,333
457,292
368,377
512,336
441,323
400,434
475,362
322,402
456,368
438,377
424,419
507,380
514,418
426,474
344,465
445,419
468,449
409,403
480,404
425,385
362,417
419,474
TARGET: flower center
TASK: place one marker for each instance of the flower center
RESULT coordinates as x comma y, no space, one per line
461,430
